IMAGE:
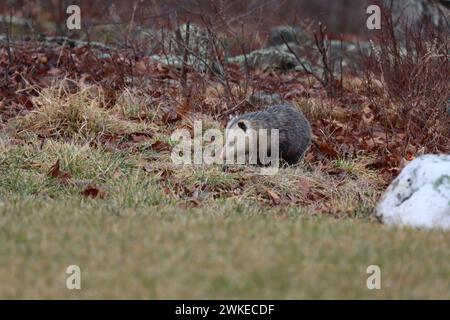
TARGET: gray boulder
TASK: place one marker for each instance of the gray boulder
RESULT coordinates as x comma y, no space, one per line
173,45
416,11
261,98
278,57
282,34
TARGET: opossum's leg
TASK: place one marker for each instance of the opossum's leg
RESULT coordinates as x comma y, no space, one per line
284,148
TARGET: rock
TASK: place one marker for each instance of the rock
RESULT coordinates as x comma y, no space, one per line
261,98
420,195
176,62
349,52
277,57
104,56
169,60
282,34
416,11
348,48
268,58
200,52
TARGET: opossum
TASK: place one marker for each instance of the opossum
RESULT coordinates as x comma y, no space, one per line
293,128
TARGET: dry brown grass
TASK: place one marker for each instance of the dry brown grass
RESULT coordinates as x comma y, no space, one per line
63,113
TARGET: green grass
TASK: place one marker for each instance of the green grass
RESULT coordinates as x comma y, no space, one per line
140,242
229,250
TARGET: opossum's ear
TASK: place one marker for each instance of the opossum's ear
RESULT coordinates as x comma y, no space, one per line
242,125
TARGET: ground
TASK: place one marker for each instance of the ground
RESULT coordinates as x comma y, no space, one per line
86,176
148,231
227,250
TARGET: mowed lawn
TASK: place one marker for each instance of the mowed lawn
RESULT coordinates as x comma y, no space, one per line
222,251
141,241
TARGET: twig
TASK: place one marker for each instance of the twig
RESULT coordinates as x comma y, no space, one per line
307,71
8,48
184,68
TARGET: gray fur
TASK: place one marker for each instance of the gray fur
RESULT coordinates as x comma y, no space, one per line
294,129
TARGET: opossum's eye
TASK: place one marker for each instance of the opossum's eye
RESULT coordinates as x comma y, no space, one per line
242,125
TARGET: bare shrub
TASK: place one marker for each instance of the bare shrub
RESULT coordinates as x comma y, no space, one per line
412,63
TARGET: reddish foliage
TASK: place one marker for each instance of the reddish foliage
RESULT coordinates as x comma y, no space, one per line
56,173
93,191
274,197
160,146
390,121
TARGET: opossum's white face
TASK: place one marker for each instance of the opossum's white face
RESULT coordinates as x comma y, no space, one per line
238,136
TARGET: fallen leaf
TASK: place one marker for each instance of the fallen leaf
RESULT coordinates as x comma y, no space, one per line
140,137
93,191
328,150
275,198
160,146
317,196
195,202
56,173
141,67
44,133
170,116
304,185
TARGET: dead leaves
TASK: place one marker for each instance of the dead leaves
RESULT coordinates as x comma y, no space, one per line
175,114
344,127
90,189
159,146
350,132
170,116
295,90
140,137
308,193
388,166
56,173
304,185
274,197
162,173
136,142
328,150
93,191
176,188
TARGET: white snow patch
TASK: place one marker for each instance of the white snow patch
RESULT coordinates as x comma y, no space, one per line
420,195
